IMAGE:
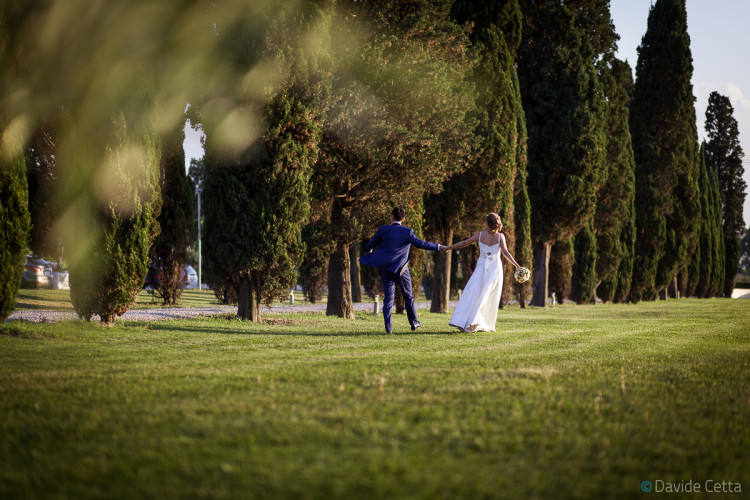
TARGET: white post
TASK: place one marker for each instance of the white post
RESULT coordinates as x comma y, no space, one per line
376,305
291,297
553,298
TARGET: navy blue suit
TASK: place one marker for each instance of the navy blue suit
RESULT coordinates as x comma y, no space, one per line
392,258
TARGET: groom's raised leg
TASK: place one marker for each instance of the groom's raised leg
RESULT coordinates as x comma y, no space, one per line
389,291
404,283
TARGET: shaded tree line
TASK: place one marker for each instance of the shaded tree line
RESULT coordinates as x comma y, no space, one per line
322,115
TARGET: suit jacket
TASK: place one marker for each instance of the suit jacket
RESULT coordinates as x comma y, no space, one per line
393,243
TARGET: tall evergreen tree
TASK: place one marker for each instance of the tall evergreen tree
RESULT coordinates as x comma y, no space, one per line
561,260
111,241
724,155
524,251
176,221
314,267
709,261
564,106
718,271
95,81
745,252
627,244
488,183
395,126
613,203
662,124
15,223
257,196
583,283
706,254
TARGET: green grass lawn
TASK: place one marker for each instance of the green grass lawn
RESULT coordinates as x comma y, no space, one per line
59,300
569,402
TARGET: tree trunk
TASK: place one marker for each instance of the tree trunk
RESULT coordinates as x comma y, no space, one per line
339,284
171,286
354,265
416,286
541,274
248,305
108,318
441,279
520,289
672,289
593,295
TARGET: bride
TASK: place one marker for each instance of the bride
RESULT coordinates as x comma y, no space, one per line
477,309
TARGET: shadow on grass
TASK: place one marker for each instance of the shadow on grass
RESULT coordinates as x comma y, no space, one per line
166,326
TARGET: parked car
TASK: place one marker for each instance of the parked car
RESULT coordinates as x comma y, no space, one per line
37,273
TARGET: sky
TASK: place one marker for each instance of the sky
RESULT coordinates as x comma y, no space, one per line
718,38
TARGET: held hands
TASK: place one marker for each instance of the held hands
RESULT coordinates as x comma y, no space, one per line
444,249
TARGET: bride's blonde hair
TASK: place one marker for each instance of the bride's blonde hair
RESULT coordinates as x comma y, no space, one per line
494,223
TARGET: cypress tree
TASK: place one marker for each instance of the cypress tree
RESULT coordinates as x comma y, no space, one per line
718,272
15,223
583,281
257,197
313,271
176,221
724,155
256,204
488,183
564,106
396,124
627,244
662,124
524,252
706,252
689,278
614,198
561,262
745,252
111,241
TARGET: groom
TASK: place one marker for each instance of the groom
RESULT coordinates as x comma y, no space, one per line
392,258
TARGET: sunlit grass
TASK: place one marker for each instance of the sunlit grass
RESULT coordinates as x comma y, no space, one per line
59,300
568,402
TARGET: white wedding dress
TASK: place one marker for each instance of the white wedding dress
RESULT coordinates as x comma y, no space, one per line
477,309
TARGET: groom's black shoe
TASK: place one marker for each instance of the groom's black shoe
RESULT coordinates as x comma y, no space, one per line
416,325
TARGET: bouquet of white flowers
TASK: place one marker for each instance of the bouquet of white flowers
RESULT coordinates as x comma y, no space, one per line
522,275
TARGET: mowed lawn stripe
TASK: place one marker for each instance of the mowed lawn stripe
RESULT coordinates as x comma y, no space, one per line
569,402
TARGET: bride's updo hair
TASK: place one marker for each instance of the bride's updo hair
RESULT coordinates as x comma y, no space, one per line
494,224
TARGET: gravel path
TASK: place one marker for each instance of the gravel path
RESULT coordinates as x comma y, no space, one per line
39,316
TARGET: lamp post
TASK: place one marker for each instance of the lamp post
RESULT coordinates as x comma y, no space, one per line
198,193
